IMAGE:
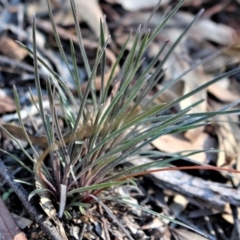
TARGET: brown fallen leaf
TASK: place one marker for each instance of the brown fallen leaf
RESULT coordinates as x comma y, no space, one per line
41,141
6,104
220,91
11,49
8,228
220,33
227,131
91,13
172,144
88,11
178,63
18,133
227,141
193,80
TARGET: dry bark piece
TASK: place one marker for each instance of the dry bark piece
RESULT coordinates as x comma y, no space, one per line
8,227
198,191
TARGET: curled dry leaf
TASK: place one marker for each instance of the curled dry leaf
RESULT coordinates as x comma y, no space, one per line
8,227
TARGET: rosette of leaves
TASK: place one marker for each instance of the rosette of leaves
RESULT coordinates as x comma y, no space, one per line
109,127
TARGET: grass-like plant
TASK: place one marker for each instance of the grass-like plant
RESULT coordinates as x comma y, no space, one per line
110,126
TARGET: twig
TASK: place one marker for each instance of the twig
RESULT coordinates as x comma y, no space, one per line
44,224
